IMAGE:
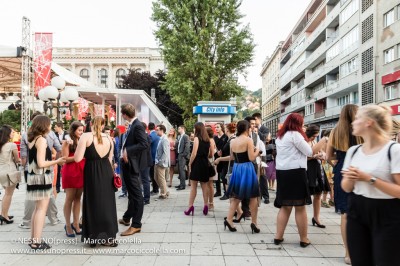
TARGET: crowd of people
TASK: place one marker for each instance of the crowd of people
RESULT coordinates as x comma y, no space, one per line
357,164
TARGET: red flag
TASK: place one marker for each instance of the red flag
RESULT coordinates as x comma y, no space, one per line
43,57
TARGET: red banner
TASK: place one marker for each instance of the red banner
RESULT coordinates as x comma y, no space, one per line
43,57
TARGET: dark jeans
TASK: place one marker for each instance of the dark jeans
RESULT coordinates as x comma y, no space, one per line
153,181
123,188
135,196
181,167
218,184
144,176
373,230
264,187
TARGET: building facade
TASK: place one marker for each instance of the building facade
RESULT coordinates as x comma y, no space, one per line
329,60
388,55
270,103
105,66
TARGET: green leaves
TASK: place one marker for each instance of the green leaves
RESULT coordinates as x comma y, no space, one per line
205,48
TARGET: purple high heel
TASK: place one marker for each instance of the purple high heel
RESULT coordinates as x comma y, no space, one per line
205,210
190,210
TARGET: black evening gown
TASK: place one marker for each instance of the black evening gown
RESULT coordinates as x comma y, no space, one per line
99,212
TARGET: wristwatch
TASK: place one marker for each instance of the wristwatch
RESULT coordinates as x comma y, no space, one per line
372,180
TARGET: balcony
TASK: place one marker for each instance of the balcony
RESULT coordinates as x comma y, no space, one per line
285,96
316,54
319,114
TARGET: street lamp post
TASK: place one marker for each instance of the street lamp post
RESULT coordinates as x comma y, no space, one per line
59,93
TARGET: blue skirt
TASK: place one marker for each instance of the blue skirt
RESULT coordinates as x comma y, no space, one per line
243,183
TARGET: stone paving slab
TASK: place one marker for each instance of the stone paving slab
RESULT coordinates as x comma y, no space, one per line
169,237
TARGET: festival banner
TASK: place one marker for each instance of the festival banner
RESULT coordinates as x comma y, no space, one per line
43,58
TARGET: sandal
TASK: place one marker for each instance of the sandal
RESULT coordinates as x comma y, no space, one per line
211,205
325,204
41,246
112,244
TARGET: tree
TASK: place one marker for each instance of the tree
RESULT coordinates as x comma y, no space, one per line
11,118
204,48
145,81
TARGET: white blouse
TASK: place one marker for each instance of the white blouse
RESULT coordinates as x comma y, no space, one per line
292,151
376,165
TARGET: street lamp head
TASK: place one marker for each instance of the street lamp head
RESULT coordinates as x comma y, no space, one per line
51,93
42,95
71,94
63,99
58,82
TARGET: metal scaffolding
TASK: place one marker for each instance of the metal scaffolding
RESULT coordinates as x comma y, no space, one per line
26,73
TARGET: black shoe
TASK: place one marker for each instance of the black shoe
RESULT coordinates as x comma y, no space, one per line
146,202
240,218
180,188
278,241
177,186
224,197
314,222
254,228
266,201
217,194
231,228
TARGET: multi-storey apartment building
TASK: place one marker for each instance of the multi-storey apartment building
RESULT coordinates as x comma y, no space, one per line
105,66
388,55
270,103
328,60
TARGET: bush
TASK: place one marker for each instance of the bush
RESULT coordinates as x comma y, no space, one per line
11,118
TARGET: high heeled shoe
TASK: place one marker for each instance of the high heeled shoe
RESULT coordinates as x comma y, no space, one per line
254,228
4,220
278,241
304,244
68,235
190,210
231,228
314,222
236,221
205,210
76,232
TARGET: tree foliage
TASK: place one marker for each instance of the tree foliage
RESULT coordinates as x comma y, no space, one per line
11,118
204,47
145,81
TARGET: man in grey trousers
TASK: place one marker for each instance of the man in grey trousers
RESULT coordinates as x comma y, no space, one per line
52,142
183,148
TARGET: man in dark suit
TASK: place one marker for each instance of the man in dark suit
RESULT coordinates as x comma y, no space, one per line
183,148
134,160
145,173
263,131
154,143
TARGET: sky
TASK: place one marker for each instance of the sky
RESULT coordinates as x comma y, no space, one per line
117,23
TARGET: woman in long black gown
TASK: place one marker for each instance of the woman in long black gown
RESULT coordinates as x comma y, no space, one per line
99,210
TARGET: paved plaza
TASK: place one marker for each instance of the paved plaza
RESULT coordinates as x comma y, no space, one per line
169,237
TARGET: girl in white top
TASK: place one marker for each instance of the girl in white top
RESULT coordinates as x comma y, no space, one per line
292,186
372,173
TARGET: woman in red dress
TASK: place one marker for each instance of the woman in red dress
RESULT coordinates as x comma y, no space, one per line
72,180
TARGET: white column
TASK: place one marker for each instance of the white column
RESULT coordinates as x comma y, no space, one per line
73,66
93,75
111,77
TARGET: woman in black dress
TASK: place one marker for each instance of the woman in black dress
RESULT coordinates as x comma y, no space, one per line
198,166
99,209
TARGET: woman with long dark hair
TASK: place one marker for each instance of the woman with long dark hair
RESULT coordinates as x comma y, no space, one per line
340,141
99,212
39,180
72,180
198,166
8,160
220,140
243,183
291,172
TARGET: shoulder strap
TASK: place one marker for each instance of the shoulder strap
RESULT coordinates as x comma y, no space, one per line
389,155
356,149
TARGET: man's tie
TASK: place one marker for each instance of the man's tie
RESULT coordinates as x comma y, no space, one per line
126,134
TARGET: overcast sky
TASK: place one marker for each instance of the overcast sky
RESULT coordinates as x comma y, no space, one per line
116,23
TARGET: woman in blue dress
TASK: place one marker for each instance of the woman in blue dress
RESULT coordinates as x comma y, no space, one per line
340,141
243,183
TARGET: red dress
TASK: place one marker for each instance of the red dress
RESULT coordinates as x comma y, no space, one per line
72,174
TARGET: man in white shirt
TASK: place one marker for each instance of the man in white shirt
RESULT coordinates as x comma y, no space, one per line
162,161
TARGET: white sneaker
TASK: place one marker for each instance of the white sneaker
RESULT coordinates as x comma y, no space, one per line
56,222
21,225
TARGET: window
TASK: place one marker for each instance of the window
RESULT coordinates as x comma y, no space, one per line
120,76
388,18
298,46
333,52
350,41
103,76
299,60
343,100
355,97
349,11
348,67
388,55
310,109
389,92
84,73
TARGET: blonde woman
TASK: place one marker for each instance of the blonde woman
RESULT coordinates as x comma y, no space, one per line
8,160
340,141
371,174
210,133
172,141
99,212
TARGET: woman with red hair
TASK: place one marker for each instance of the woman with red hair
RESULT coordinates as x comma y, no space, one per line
291,166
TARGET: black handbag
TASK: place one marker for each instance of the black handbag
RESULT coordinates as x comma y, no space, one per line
211,170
